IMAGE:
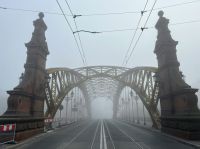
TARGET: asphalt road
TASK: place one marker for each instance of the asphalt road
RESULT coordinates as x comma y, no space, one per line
102,134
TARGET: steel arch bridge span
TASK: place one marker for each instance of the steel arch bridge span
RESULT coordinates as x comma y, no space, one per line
140,79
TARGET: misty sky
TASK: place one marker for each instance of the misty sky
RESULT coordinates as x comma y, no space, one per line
100,49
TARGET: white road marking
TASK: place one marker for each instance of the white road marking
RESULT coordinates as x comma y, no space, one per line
101,136
110,136
103,143
95,135
104,136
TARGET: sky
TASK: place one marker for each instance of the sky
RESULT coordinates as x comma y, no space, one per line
100,49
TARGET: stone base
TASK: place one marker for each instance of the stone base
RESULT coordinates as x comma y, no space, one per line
25,127
27,134
182,134
186,127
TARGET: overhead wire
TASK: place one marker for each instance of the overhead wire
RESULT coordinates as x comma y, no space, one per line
81,45
115,13
100,14
180,23
138,12
175,5
142,29
151,27
71,31
117,30
133,37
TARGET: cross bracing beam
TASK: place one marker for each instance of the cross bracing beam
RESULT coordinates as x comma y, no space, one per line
95,81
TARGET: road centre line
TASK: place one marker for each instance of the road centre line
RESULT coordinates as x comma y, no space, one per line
95,134
103,143
104,136
110,135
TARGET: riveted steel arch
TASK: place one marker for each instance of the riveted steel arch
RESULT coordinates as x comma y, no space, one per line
61,81
140,79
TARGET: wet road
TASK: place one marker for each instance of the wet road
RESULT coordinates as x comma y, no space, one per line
102,134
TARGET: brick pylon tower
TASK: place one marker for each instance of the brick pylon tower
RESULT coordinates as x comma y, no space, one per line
26,101
180,115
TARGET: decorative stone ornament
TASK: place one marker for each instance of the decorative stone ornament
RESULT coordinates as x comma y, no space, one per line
26,101
180,115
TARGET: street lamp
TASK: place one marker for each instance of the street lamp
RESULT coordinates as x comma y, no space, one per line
131,94
144,115
136,100
67,99
123,115
72,95
81,109
129,110
60,108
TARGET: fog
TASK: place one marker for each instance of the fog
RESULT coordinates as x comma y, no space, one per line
102,108
100,49
3,101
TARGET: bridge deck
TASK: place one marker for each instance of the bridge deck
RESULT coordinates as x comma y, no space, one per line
106,134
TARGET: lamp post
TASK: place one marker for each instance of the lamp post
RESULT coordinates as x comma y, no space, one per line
72,95
136,100
66,99
131,94
60,109
81,109
122,99
129,110
75,105
144,118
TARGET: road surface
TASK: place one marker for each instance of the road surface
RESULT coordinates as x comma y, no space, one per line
102,134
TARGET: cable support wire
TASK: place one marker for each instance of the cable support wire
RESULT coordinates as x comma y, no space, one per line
100,14
142,29
71,31
79,38
128,50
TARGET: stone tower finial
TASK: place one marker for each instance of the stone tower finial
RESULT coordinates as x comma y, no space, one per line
38,35
41,15
26,100
164,35
180,115
160,13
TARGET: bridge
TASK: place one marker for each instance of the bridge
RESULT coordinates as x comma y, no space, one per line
39,87
107,81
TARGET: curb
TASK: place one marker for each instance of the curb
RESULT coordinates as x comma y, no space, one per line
196,146
24,142
21,143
